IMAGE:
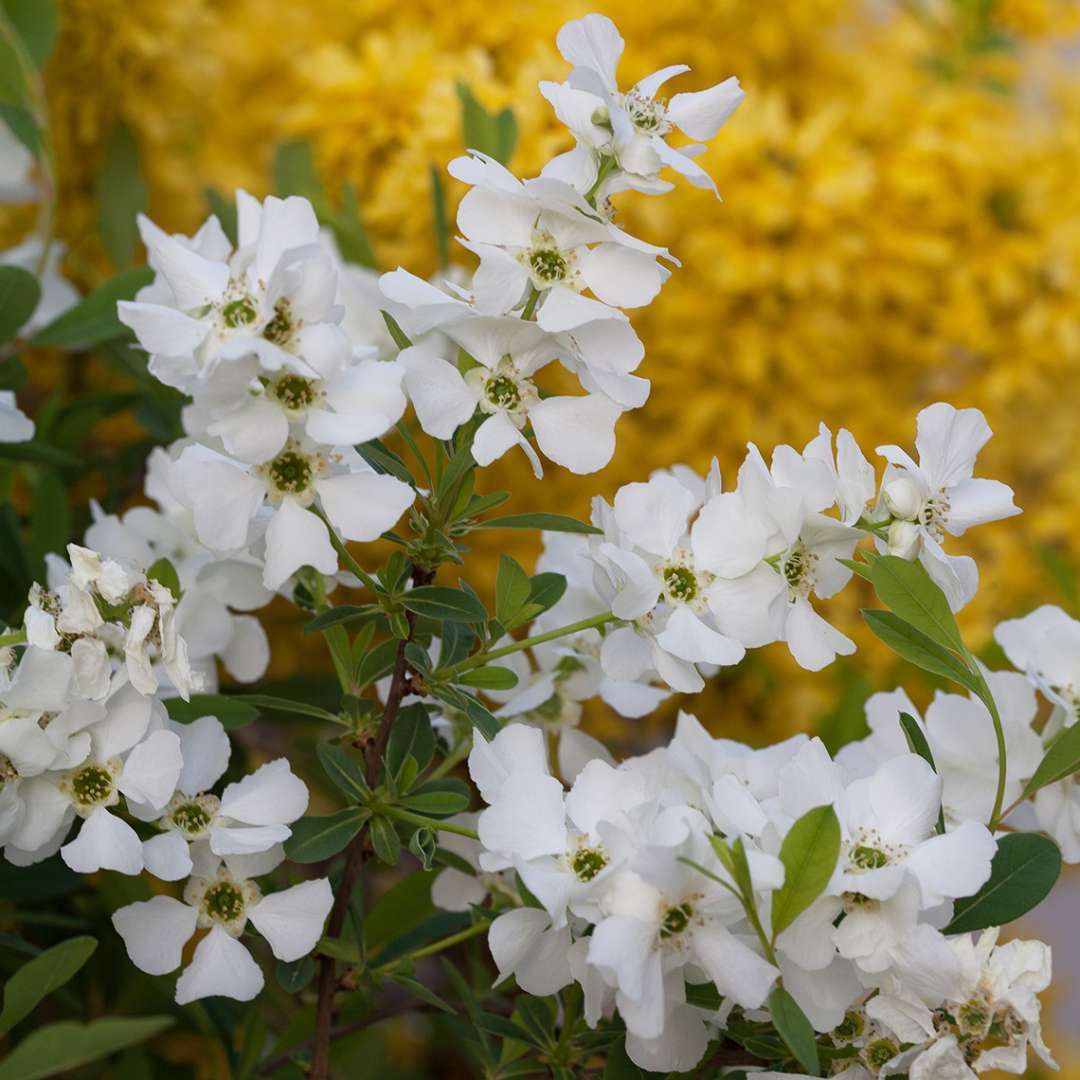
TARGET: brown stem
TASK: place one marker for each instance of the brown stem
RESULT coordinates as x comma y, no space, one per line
354,856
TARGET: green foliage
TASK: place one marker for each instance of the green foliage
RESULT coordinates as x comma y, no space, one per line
231,712
344,771
93,320
909,592
439,603
164,573
918,649
35,23
548,522
1022,874
1062,759
809,853
315,839
121,193
19,296
57,1048
494,134
41,976
796,1031
917,743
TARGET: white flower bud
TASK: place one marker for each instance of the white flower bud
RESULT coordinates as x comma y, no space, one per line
903,498
904,539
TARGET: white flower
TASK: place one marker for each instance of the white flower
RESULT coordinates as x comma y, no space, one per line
15,426
272,298
225,495
524,944
1045,645
940,495
541,234
223,901
577,432
630,127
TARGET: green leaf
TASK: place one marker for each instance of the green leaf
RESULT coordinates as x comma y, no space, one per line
59,1048
809,853
35,23
440,798
50,513
482,718
292,977
1061,759
19,296
489,678
121,193
377,662
226,708
423,846
317,838
419,990
402,908
440,225
494,134
796,1031
224,210
384,460
39,453
339,616
546,590
909,591
14,90
1021,876
914,646
94,320
857,566
411,736
347,225
511,590
294,170
549,522
617,1063
439,603
41,976
916,740
385,841
401,339
164,573
286,705
343,770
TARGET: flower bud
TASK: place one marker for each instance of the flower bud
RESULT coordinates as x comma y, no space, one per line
903,498
904,539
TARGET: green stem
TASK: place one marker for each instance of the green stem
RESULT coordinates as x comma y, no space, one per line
451,760
410,442
16,637
755,921
482,658
344,554
435,824
530,304
435,947
602,173
878,528
999,733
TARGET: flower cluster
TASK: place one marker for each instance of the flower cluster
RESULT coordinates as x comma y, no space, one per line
650,882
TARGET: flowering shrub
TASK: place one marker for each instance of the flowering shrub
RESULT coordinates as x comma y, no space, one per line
704,906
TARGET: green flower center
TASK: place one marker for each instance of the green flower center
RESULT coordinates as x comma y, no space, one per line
290,472
191,818
503,392
92,784
294,392
850,1028
548,264
238,313
868,858
675,920
224,902
646,114
680,583
880,1052
588,862
280,327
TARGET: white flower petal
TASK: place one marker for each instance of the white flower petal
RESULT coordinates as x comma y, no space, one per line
292,920
221,967
271,795
155,932
364,505
105,842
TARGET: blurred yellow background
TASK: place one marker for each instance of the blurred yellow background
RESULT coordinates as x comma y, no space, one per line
901,224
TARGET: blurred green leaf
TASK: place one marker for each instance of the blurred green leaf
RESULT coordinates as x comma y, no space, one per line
343,770
511,590
50,514
494,134
19,296
227,709
35,22
539,520
403,907
492,677
122,195
164,573
41,976
94,320
224,210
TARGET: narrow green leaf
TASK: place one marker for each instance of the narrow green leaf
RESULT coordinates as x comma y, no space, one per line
809,853
494,134
385,841
796,1031
94,320
1061,759
909,591
58,1048
376,663
440,225
384,460
121,193
511,590
859,567
546,590
439,603
270,703
914,646
40,453
411,736
294,170
419,990
19,296
482,719
492,677
1022,874
224,210
422,846
41,976
226,708
401,339
548,522
35,22
50,513
438,800
916,740
340,616
343,770
164,573
317,838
